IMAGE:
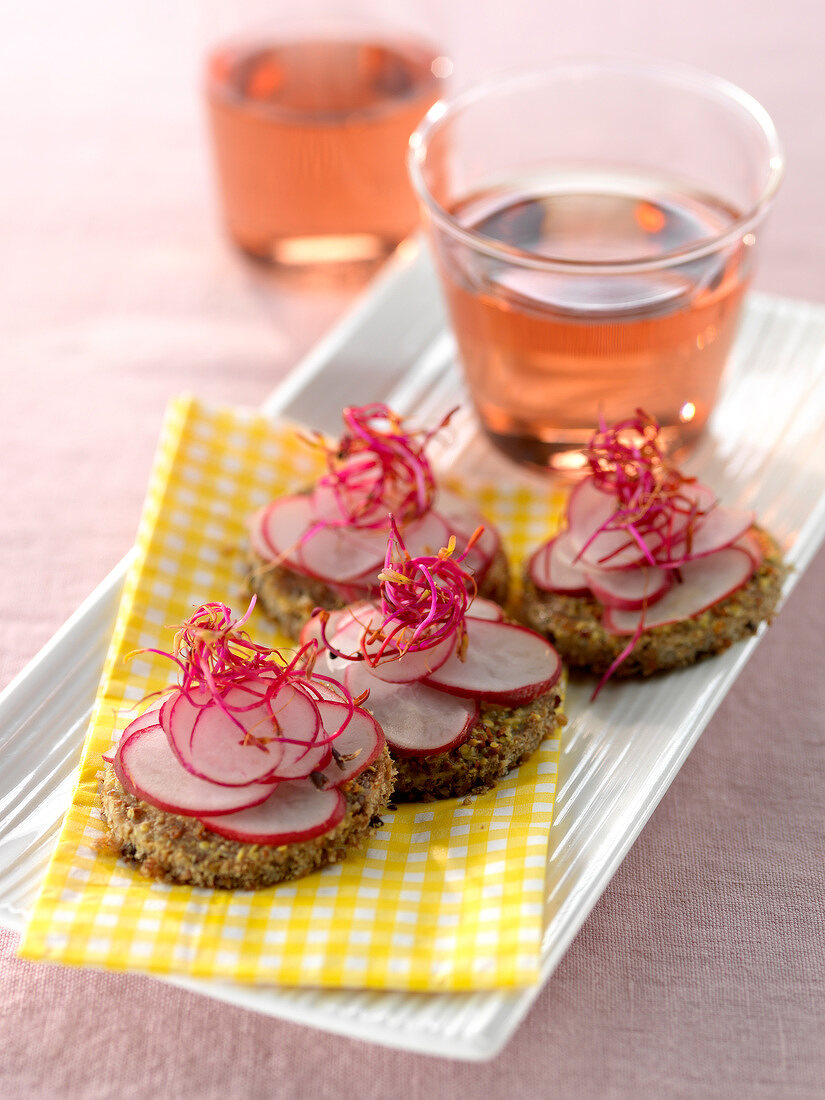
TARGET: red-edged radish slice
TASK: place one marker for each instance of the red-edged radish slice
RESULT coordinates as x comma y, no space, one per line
462,519
752,546
704,582
356,746
148,769
270,741
362,609
179,730
347,637
281,525
588,508
295,811
416,719
323,688
485,609
403,669
302,754
333,502
326,504
504,664
698,504
719,528
426,536
143,721
552,568
338,554
311,630
256,537
180,711
485,549
413,664
629,589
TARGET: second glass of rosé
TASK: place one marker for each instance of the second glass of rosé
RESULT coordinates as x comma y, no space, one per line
310,117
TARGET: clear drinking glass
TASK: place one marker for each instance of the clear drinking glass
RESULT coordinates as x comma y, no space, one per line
595,227
311,111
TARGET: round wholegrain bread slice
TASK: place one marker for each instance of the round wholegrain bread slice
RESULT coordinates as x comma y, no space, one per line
502,738
182,850
574,623
289,598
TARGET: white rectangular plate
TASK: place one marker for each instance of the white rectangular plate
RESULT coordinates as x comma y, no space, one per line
763,450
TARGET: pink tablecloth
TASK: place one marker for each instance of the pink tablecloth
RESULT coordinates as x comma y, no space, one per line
702,969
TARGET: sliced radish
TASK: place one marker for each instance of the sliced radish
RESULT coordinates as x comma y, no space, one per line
552,568
485,609
148,769
417,720
426,536
280,526
247,746
346,638
326,504
143,721
295,811
311,630
721,527
259,543
414,664
302,752
505,664
357,746
629,589
362,478
399,669
485,549
589,508
181,711
339,554
177,719
323,689
704,582
752,546
462,519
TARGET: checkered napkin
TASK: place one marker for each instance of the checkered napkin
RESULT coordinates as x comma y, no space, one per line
445,896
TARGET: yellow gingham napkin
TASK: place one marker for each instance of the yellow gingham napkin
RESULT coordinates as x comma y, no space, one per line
445,896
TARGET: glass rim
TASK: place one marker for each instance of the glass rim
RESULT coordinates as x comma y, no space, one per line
673,73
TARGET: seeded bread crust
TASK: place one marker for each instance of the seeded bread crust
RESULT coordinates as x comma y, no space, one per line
289,598
574,623
502,738
182,850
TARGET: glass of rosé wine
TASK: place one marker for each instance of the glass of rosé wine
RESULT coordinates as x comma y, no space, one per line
310,115
595,227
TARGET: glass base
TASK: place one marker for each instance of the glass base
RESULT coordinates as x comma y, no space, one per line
564,453
337,249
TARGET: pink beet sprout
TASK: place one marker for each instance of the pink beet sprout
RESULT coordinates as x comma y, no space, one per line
378,467
423,602
213,652
627,461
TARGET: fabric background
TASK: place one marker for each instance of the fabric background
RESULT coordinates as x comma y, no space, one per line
701,972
